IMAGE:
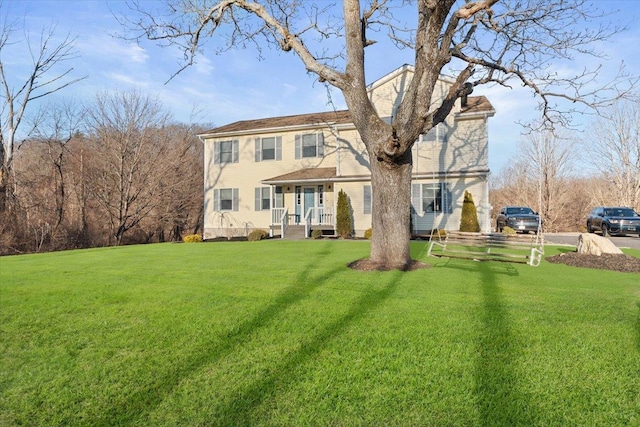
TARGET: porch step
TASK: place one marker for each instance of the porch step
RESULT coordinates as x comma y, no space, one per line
294,232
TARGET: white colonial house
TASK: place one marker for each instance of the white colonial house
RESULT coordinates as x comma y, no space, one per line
283,174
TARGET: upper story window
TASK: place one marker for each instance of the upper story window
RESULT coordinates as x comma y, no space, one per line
268,148
309,145
225,152
436,134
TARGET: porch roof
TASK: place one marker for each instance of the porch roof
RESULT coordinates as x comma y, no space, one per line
303,175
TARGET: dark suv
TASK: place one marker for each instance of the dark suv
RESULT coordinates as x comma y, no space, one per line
613,220
520,218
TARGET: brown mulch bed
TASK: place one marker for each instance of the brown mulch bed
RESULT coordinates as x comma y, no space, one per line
367,265
615,262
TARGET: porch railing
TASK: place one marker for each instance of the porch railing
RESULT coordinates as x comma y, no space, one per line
314,216
320,216
317,216
276,215
284,222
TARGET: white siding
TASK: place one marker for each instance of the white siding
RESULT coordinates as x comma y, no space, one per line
464,148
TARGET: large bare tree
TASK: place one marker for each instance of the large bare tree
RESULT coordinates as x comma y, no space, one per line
126,179
484,41
613,147
538,175
18,91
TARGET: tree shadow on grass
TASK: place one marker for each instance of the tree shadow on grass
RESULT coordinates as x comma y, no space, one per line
240,409
499,400
490,267
136,407
638,327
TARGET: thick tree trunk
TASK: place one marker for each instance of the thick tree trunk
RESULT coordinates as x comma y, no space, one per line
391,188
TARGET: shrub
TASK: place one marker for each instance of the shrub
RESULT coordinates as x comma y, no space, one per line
343,219
508,230
469,218
437,232
192,238
316,234
256,235
367,233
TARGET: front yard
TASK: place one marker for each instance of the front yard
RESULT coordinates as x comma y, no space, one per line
282,333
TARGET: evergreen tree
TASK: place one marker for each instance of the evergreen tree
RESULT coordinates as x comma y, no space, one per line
469,218
343,219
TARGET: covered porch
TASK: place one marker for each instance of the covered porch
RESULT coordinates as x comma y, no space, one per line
304,200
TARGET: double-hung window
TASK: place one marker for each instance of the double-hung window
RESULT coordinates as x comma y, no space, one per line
437,134
264,201
309,145
268,148
225,152
225,199
428,197
263,198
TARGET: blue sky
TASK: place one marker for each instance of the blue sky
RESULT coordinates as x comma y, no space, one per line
236,86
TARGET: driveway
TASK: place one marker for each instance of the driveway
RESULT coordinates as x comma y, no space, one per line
572,239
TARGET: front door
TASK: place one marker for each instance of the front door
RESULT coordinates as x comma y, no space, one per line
309,200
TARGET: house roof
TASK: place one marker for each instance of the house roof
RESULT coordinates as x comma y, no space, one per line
308,174
329,117
475,104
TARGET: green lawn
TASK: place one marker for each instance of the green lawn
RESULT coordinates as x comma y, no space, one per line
280,333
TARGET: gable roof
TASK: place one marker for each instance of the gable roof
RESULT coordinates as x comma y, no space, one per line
406,68
308,174
475,104
298,120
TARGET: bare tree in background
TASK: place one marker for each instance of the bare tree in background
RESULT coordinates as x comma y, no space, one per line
551,160
125,178
612,145
182,209
484,42
19,90
41,187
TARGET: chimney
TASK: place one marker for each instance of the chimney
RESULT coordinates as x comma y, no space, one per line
468,89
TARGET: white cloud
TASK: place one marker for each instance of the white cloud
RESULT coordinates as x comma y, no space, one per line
126,79
203,66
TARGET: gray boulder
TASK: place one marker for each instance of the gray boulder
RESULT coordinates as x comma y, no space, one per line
596,245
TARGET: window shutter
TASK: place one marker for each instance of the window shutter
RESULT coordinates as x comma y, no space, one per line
278,200
216,199
234,203
367,199
216,153
279,148
258,198
320,145
298,147
258,150
416,199
235,150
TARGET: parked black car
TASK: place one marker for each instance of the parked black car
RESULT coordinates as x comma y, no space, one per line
520,218
613,220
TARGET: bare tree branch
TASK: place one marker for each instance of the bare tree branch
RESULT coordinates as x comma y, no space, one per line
41,81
